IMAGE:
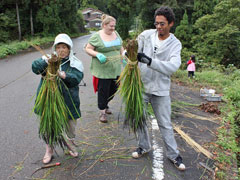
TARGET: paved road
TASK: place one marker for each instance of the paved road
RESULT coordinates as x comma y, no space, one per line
105,148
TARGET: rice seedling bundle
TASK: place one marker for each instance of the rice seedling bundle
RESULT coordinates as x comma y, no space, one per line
131,88
51,107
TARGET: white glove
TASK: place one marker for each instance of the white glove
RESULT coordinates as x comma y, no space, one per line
46,58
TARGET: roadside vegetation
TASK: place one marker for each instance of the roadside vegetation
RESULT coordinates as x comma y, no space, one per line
15,47
226,81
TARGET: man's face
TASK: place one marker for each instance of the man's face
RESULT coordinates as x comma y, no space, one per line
162,27
62,50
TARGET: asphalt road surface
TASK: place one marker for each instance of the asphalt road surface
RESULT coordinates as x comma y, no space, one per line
105,149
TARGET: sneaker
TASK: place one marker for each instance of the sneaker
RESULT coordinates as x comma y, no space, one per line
139,153
178,163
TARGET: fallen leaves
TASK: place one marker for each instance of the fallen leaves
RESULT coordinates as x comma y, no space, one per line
210,107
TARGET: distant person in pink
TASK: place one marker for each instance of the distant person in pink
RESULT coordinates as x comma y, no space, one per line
191,66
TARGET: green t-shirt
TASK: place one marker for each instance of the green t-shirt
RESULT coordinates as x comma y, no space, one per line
112,67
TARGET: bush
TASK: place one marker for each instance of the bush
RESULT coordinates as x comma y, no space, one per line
16,46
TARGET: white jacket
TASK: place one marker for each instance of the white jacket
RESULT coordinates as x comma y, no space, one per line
165,61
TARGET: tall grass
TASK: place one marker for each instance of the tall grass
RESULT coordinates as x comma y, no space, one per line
51,107
131,88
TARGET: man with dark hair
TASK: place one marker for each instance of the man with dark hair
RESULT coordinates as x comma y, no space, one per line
159,56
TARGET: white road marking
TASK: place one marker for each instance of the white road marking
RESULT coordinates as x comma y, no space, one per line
158,173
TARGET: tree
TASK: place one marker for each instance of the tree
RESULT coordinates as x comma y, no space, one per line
33,6
8,21
80,21
218,38
147,13
19,24
6,26
123,11
203,7
184,31
58,16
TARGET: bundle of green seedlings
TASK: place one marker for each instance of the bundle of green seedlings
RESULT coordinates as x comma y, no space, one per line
131,88
51,107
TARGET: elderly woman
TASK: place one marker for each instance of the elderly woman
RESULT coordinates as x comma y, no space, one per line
105,47
71,73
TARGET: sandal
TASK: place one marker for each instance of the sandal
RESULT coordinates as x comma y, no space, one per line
48,156
71,146
73,154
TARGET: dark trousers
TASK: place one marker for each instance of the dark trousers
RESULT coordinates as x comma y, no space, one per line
106,90
190,73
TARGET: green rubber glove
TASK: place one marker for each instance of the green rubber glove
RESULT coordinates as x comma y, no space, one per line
124,62
101,57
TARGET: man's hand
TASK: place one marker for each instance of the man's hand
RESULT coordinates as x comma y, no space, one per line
144,59
101,57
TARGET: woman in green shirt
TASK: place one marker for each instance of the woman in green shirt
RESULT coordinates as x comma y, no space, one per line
105,47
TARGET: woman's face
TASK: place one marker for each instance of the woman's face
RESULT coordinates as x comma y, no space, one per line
110,27
62,50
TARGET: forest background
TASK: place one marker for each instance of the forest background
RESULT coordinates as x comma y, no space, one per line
209,29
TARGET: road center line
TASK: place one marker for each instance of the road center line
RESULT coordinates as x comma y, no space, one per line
158,173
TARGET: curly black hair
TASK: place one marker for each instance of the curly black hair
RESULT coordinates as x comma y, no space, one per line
167,12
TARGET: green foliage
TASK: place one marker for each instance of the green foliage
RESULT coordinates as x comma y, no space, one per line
184,32
16,46
48,18
233,94
203,7
95,4
123,12
136,27
218,35
87,4
80,21
8,26
147,13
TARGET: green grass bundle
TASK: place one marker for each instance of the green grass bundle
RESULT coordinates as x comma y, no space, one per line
51,107
131,88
